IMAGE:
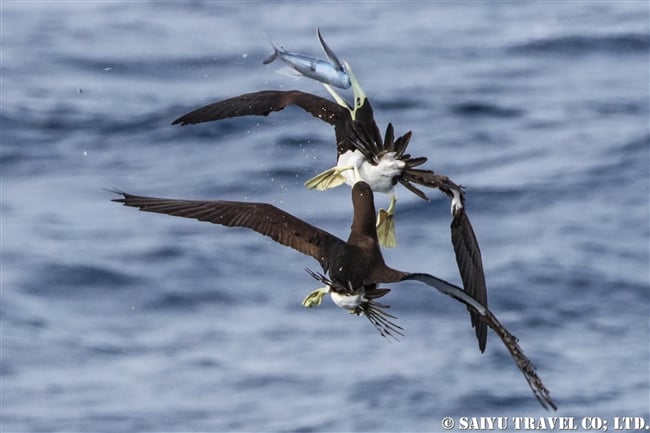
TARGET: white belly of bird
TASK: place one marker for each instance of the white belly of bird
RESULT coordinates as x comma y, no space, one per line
379,177
348,302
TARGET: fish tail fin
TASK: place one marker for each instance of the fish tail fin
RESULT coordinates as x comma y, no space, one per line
271,56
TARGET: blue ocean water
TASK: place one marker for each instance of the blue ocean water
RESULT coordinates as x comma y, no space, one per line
112,319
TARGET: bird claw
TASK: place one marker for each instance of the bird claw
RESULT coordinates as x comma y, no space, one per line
315,298
328,179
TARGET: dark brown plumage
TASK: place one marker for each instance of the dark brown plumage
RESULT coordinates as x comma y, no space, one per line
267,101
353,267
361,133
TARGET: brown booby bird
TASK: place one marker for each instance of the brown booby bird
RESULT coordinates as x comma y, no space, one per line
382,163
354,267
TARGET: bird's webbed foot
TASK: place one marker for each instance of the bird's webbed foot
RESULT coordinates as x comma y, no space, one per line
328,179
315,298
386,225
357,311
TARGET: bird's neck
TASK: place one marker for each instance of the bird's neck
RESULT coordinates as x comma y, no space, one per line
364,226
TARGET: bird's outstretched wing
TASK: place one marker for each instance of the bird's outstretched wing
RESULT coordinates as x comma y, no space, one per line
470,265
263,103
510,341
468,254
263,218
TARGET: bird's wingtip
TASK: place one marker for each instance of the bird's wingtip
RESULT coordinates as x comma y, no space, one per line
119,192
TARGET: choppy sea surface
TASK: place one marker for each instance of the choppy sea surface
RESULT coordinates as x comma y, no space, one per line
117,320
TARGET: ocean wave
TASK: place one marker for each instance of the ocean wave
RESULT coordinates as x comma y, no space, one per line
485,109
164,67
75,279
184,300
396,104
65,117
624,43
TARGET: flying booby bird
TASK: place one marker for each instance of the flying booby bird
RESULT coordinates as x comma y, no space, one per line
354,267
381,162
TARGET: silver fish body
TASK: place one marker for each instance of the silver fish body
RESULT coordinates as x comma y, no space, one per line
332,72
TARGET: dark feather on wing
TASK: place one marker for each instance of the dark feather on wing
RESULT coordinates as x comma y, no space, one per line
263,218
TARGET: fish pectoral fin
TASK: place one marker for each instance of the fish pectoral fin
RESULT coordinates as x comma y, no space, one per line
329,52
386,229
328,179
315,298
